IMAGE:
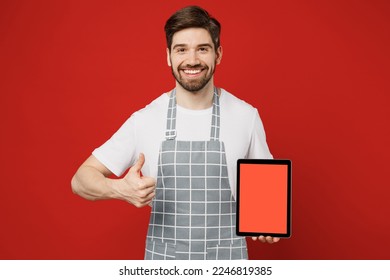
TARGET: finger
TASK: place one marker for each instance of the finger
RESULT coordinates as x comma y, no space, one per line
254,238
276,239
262,238
136,168
269,239
149,182
146,193
146,186
145,201
149,202
138,204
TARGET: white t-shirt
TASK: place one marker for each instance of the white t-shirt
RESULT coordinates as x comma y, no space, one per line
241,130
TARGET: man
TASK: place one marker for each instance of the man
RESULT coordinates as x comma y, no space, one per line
178,142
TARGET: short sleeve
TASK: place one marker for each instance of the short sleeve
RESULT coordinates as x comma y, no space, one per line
118,153
258,148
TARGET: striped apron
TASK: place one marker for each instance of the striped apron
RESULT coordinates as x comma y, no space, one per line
193,213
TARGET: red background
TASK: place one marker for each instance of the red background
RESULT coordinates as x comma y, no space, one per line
73,71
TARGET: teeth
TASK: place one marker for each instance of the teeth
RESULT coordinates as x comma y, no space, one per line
187,71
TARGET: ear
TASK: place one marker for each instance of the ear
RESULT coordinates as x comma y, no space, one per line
219,55
169,58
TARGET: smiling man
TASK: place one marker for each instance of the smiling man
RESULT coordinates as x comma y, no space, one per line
188,159
193,58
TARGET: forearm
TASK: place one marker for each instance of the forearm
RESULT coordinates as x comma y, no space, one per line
91,184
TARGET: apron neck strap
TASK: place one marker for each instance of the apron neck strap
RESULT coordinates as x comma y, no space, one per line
170,132
215,120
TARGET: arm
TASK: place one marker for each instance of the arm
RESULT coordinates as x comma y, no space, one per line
91,182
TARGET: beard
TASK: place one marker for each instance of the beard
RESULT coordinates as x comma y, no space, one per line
194,85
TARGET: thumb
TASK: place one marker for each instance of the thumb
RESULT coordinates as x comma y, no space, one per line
136,168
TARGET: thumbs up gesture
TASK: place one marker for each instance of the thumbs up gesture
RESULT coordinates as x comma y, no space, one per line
134,188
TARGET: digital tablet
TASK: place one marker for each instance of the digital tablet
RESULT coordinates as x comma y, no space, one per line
264,197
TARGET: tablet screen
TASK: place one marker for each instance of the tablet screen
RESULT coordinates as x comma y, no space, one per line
264,197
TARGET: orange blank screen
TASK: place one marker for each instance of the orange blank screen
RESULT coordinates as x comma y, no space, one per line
263,198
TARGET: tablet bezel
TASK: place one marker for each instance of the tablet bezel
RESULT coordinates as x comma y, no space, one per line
285,162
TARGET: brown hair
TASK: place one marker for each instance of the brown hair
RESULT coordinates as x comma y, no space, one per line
192,16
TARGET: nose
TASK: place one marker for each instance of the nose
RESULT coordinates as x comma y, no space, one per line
192,58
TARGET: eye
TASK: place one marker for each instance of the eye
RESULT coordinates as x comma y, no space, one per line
180,50
203,49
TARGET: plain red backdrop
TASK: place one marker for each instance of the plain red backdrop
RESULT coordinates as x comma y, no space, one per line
71,72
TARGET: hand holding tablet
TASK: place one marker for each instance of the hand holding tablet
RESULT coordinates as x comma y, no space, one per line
264,198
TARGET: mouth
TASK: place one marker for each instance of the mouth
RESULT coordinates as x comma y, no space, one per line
192,73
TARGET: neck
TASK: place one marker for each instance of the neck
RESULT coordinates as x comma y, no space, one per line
199,100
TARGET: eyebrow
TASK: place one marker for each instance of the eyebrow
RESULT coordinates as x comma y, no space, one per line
198,46
205,45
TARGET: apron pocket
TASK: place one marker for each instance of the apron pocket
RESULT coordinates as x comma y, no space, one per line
228,251
158,250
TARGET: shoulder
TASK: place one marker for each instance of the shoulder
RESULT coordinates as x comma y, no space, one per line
147,116
231,104
155,109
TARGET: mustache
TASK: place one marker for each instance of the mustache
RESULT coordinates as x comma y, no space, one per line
193,66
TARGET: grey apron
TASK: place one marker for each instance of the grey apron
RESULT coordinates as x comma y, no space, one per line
193,213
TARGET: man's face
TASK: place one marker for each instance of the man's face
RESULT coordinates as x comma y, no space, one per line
193,58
